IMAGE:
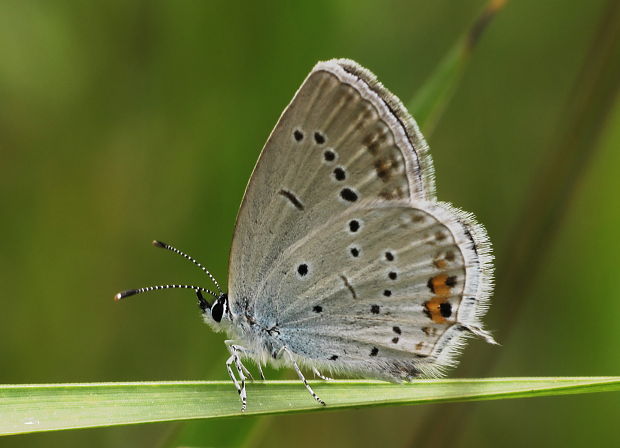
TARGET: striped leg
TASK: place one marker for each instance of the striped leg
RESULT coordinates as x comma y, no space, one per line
246,352
234,358
245,370
302,378
240,389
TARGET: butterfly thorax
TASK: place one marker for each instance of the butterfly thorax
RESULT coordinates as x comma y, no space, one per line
260,334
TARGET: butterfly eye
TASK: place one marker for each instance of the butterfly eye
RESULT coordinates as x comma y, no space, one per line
217,311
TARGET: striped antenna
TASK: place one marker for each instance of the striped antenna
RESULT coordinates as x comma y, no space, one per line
133,292
187,257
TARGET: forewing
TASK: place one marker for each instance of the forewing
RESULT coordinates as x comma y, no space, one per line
344,139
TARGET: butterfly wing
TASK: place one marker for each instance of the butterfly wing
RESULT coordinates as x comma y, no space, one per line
342,138
390,289
345,155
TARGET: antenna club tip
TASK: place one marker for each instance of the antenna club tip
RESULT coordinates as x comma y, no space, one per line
121,295
157,243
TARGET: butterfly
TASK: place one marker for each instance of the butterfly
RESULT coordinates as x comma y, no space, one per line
343,260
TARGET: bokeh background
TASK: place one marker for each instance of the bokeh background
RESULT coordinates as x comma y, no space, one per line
126,120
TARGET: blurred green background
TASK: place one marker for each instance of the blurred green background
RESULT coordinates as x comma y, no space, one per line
125,121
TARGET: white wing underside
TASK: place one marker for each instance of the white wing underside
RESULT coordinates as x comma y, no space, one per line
341,243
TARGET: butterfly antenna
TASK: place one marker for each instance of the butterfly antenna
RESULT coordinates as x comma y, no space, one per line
133,292
187,257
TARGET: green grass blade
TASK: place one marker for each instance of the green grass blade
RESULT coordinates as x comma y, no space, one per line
33,408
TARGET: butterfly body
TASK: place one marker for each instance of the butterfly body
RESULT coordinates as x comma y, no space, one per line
342,259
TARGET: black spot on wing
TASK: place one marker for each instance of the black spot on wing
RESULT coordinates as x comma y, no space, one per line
349,286
291,197
445,308
339,174
348,195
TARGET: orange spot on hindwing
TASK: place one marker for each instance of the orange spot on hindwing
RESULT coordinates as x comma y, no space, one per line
439,308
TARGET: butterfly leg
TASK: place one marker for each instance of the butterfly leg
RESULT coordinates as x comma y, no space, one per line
301,377
245,370
240,388
323,377
260,369
234,358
